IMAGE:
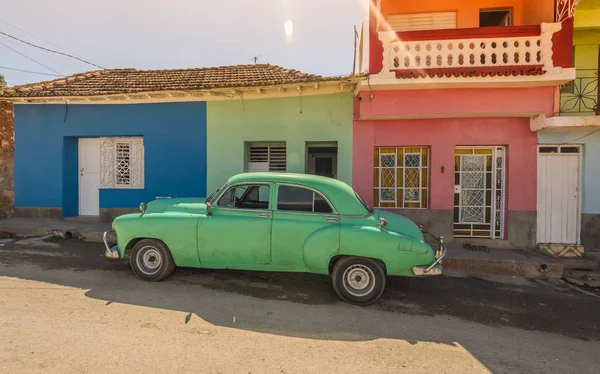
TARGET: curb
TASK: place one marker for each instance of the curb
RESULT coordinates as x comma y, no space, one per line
526,269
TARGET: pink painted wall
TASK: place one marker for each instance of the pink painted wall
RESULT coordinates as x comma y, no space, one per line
457,102
442,135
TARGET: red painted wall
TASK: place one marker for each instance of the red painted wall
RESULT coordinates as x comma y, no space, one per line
442,136
562,45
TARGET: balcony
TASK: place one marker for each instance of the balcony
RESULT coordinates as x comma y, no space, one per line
580,97
478,57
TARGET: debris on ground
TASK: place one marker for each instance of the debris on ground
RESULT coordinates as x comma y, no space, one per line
6,235
584,278
472,247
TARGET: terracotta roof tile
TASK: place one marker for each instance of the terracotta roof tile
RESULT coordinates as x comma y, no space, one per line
126,81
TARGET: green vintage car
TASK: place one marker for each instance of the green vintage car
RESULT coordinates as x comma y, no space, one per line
278,222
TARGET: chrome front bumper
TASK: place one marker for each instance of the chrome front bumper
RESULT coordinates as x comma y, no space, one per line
111,252
433,269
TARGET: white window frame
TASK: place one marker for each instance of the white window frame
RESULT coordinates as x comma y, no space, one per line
384,203
273,161
109,166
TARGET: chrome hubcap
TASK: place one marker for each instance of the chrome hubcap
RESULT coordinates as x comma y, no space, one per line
149,260
359,280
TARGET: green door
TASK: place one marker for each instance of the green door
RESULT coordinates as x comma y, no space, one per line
238,233
304,225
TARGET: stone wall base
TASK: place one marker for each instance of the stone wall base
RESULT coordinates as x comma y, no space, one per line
590,232
521,227
46,213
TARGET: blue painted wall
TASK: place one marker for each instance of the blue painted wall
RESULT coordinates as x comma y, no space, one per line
46,157
591,164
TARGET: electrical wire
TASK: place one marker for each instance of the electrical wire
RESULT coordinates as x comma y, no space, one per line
50,50
581,137
29,58
29,71
37,37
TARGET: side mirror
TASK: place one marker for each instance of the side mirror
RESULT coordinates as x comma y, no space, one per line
143,207
208,206
382,223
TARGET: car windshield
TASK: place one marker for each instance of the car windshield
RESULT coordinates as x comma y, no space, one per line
363,202
214,194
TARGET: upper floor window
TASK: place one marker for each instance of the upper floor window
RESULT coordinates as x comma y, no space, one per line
301,200
122,162
266,157
495,17
422,21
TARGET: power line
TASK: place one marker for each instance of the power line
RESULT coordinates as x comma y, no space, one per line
51,50
29,58
37,37
581,137
29,71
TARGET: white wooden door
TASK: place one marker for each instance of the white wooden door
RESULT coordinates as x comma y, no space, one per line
558,207
89,177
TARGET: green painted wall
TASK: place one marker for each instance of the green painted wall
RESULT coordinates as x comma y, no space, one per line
294,120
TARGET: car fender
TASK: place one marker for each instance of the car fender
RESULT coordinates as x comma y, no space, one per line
176,230
320,246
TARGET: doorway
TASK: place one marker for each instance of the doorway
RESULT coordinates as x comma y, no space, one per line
89,176
559,200
321,159
479,192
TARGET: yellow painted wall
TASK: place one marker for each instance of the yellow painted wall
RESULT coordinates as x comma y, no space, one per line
525,12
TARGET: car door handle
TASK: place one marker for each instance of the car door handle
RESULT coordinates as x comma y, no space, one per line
264,215
332,219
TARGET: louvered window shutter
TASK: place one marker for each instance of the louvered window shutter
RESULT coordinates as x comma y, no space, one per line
422,21
267,157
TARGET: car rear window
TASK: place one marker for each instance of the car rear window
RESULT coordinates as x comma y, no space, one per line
300,199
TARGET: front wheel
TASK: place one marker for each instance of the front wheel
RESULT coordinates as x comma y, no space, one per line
151,260
358,280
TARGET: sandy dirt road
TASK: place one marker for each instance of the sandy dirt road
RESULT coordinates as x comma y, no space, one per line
64,309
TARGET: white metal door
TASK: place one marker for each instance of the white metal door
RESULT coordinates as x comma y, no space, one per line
89,177
479,192
558,207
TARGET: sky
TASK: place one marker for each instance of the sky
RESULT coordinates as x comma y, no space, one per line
168,34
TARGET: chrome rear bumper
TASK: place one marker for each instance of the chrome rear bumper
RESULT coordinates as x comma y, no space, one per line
423,270
110,252
433,269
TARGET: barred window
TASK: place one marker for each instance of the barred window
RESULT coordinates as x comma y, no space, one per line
401,177
122,162
266,157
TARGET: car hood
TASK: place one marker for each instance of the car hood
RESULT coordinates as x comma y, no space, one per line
185,205
400,224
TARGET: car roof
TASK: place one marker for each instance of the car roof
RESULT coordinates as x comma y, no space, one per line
339,193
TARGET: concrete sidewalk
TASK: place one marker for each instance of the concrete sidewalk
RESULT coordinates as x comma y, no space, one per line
512,262
85,229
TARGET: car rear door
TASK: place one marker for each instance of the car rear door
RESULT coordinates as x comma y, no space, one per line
304,224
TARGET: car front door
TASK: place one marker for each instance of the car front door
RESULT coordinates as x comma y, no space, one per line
238,231
304,224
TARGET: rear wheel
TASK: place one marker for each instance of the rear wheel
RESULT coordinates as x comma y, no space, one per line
358,280
151,260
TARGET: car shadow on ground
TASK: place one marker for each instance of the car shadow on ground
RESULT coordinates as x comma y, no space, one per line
410,309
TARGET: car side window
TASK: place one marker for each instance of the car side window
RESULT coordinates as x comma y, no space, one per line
300,199
246,197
